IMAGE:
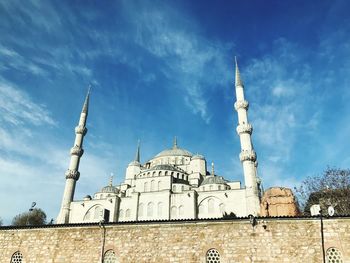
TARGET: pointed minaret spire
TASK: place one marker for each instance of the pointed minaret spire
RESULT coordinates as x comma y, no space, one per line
137,156
247,156
238,81
72,174
86,102
175,143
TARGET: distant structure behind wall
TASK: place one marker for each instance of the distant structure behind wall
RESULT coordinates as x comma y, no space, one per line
279,201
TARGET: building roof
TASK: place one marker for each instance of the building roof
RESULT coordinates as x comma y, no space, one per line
174,152
214,180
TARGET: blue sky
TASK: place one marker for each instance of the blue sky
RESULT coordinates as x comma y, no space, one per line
161,69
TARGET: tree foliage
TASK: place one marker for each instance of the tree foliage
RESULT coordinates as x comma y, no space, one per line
34,218
331,188
229,216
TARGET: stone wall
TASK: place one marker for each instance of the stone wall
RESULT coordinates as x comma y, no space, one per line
271,240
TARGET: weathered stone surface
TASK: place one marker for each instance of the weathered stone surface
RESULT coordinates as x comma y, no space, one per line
278,201
271,240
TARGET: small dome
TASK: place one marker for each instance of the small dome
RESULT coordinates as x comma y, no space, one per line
213,180
198,156
87,197
110,189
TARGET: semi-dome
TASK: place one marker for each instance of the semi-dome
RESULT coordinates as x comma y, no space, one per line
213,180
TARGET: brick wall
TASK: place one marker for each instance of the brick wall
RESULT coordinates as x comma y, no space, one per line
275,240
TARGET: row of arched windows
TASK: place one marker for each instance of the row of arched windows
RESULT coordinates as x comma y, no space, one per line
150,209
333,255
126,214
209,207
160,173
147,187
176,211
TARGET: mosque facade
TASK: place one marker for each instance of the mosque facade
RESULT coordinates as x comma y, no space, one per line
175,184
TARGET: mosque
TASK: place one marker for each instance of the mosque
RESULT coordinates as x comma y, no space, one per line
174,184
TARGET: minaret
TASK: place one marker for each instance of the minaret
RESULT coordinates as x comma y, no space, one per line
72,174
134,167
247,155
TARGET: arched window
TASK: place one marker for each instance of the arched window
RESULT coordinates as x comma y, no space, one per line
166,173
222,208
127,213
182,188
211,206
201,209
159,185
110,257
213,256
153,187
146,187
174,188
154,173
17,257
121,213
150,209
210,188
333,255
98,212
160,208
181,210
160,173
173,212
141,209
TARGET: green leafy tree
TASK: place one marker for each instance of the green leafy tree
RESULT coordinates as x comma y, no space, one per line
34,218
331,188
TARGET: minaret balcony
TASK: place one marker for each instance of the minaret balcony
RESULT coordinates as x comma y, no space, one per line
80,129
241,104
247,155
244,128
72,174
76,150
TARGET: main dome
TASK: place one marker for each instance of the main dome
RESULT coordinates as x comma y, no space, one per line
175,151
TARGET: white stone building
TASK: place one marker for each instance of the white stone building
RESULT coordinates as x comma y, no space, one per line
175,184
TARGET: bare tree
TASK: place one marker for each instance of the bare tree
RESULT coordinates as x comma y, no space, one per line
331,188
34,218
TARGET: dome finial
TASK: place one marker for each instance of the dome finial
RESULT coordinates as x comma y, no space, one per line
238,81
175,143
212,169
111,180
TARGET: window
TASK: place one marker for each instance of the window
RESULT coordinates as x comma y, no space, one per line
213,256
160,173
210,206
153,187
333,255
127,213
210,188
160,208
17,257
181,210
222,208
98,212
174,188
173,212
146,187
166,173
141,209
121,213
150,209
110,257
201,209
